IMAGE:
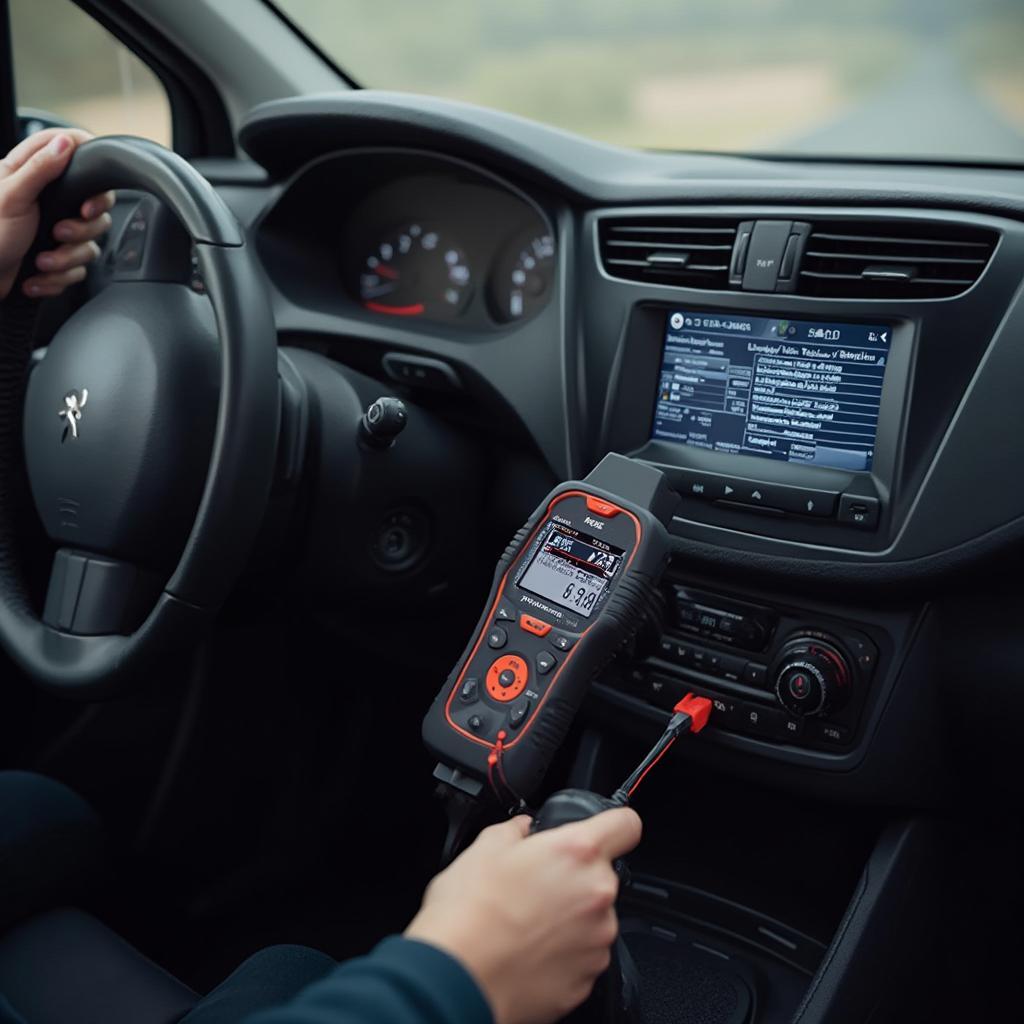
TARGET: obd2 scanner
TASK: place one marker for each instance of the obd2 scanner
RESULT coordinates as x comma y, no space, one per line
575,584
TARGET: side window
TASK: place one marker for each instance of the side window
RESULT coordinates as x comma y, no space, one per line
69,69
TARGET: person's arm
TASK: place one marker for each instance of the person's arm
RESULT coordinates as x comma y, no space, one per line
403,981
515,931
24,173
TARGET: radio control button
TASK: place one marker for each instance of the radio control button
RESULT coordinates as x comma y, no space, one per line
761,721
755,674
807,502
506,678
685,654
469,689
536,626
664,693
707,486
792,728
562,641
828,732
857,511
730,668
545,662
497,637
476,723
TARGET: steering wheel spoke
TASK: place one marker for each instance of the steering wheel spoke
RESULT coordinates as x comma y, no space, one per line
92,595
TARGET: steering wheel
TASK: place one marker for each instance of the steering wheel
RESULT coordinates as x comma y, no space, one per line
148,433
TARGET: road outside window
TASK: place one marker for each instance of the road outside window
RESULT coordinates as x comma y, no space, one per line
68,68
931,79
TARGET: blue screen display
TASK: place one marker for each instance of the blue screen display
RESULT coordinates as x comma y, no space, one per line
794,390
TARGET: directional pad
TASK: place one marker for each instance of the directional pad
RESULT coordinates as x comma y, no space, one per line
506,678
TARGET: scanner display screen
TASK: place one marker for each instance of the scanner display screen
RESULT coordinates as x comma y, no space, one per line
793,390
571,569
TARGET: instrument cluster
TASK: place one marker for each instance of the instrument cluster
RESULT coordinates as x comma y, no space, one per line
448,247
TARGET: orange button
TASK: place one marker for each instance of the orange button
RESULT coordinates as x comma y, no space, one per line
506,678
602,508
535,626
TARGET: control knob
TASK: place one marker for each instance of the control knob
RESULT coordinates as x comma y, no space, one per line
382,422
812,676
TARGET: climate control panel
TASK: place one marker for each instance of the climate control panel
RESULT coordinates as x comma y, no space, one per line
775,674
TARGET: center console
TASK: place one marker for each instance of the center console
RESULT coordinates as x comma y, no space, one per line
786,677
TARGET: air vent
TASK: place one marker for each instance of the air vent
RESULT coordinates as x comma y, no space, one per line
689,252
882,259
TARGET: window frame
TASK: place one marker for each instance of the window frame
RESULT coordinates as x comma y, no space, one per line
200,126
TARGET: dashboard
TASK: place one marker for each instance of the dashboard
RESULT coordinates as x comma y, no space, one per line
824,359
411,236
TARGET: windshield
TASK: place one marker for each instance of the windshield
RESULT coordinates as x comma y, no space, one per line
931,79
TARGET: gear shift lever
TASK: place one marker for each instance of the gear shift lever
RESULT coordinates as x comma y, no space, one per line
615,999
615,996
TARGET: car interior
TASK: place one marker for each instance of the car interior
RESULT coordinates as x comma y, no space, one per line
268,604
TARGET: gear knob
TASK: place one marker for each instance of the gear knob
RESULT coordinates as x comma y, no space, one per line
382,422
569,805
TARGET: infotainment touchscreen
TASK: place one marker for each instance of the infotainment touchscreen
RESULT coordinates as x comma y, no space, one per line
795,390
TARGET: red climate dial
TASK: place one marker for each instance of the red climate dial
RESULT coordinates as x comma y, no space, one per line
812,677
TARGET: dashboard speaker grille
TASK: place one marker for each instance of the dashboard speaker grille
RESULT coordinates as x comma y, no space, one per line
882,259
688,252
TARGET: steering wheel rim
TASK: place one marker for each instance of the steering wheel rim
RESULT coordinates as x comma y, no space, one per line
241,464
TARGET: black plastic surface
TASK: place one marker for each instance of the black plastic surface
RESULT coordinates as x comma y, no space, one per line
285,134
940,342
128,485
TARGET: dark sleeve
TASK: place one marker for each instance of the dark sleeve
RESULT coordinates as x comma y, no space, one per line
401,982
8,1014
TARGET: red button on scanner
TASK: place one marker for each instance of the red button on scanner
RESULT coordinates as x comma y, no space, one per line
535,626
602,508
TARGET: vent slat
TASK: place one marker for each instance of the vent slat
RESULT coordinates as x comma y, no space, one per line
907,241
889,259
900,281
618,244
668,250
901,258
665,230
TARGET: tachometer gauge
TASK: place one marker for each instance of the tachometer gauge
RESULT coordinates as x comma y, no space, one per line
523,276
413,272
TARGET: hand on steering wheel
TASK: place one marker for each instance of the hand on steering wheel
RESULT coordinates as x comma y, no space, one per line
24,173
153,502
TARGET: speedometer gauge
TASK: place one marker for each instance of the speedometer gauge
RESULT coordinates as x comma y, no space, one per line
415,271
523,276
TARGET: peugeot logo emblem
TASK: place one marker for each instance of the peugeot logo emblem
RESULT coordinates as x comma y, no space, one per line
74,403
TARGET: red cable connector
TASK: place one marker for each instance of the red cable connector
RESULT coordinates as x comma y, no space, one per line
690,714
698,708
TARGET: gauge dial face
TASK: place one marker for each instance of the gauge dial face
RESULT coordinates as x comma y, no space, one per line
415,271
523,276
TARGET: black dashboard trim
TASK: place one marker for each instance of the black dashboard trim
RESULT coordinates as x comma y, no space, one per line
282,135
928,532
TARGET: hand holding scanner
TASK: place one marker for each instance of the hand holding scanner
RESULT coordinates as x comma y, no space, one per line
576,583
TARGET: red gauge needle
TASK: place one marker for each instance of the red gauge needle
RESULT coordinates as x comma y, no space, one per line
379,307
389,272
